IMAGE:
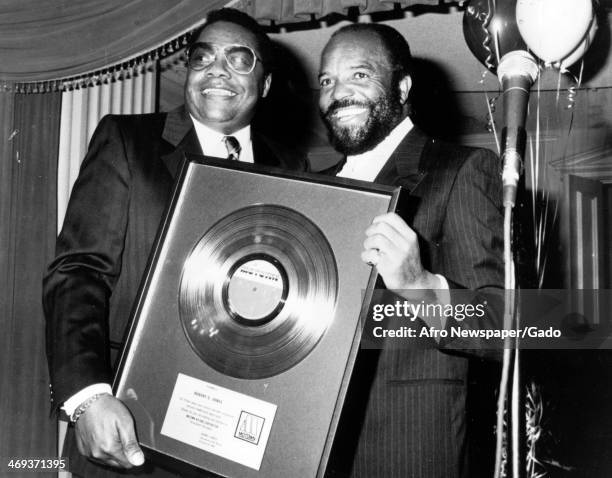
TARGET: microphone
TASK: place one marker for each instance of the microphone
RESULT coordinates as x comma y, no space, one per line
517,71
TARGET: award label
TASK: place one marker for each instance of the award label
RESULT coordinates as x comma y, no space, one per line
255,290
218,420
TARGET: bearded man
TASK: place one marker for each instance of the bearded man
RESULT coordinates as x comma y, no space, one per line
405,414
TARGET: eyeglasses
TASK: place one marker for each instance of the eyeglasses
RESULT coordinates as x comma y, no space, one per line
241,59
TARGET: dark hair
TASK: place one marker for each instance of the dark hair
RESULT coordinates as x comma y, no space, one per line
398,51
231,15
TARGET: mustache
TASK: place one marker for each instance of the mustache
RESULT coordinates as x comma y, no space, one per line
345,103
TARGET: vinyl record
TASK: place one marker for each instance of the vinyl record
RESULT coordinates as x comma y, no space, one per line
258,291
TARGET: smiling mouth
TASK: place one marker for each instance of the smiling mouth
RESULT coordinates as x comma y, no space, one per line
348,113
222,92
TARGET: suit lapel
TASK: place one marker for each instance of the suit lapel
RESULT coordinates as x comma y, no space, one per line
180,134
262,153
406,167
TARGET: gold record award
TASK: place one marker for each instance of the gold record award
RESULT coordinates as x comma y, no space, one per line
258,291
248,320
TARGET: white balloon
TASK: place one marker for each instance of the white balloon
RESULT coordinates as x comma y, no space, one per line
552,29
581,49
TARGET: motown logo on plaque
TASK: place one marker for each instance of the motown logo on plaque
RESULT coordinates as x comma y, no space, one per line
248,320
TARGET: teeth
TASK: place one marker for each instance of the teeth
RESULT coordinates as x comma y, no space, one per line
218,92
349,111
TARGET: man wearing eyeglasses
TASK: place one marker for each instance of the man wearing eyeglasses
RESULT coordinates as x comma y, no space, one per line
114,212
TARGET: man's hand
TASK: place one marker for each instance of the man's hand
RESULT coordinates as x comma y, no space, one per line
105,433
393,247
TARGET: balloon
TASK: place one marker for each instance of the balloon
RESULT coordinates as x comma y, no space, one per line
490,30
581,49
553,29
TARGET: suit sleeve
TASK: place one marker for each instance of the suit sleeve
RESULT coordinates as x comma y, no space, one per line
473,226
473,248
79,282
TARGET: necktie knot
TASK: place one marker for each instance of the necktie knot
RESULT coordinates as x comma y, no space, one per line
233,147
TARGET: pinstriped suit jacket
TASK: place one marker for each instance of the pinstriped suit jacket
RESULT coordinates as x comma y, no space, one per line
404,415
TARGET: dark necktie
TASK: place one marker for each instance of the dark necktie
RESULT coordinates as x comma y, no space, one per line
233,147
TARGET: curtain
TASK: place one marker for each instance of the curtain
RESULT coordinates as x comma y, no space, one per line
43,40
48,39
82,109
294,11
29,161
7,101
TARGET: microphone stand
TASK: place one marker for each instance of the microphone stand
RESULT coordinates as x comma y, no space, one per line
517,71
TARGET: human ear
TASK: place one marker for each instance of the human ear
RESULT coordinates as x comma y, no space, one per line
267,84
404,86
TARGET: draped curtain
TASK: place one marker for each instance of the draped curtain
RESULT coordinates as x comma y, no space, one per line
83,108
42,40
28,166
44,139
50,39
7,101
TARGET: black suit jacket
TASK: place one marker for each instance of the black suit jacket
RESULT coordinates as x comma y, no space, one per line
405,409
110,226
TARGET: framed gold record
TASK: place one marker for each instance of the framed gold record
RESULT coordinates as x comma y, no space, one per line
248,320
258,291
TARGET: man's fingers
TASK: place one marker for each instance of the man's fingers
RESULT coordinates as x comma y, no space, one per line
100,444
396,222
105,434
83,449
370,257
393,247
386,230
385,244
108,460
113,462
130,446
112,453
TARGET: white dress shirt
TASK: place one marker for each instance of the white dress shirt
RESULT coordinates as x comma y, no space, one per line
212,142
366,166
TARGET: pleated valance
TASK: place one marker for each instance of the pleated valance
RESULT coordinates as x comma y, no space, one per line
50,45
283,12
139,66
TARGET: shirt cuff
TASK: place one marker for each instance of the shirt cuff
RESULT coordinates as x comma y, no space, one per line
443,295
443,281
73,402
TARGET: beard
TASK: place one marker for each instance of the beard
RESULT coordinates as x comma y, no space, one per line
384,114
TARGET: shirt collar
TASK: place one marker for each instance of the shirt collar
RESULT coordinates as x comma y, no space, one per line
366,166
212,142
